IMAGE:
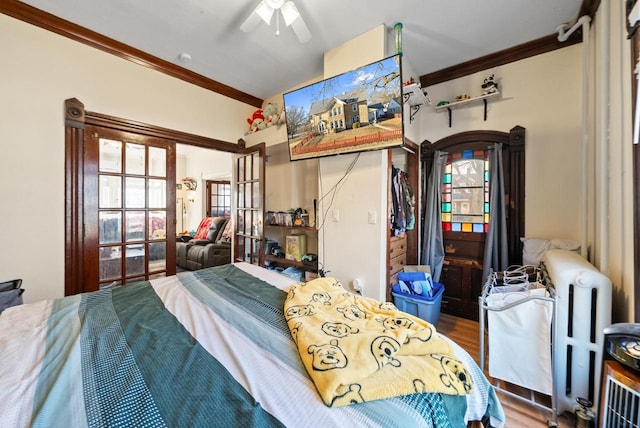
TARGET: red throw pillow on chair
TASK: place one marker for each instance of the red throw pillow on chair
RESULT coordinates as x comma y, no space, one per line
203,228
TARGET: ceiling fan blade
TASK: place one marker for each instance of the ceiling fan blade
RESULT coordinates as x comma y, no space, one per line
251,22
301,30
293,18
262,12
265,11
289,12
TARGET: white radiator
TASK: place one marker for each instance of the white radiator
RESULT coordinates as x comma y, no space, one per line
583,310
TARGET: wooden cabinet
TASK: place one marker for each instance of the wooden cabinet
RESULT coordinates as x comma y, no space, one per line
397,260
278,234
462,273
462,279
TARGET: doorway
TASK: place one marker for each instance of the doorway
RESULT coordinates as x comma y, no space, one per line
120,188
462,211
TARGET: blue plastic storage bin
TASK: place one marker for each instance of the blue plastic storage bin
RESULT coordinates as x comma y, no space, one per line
425,307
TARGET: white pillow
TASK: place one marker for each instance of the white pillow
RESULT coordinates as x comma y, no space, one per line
565,244
533,250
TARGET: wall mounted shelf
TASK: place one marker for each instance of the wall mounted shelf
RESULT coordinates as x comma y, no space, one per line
466,103
413,95
271,136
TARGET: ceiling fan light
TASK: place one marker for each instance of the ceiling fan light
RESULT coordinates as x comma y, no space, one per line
265,12
289,12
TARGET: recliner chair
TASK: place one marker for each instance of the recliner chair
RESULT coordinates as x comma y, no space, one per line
214,249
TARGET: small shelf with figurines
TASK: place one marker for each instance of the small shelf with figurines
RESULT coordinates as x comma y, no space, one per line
291,241
490,91
266,125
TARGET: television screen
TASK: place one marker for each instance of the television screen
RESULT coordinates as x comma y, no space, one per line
354,111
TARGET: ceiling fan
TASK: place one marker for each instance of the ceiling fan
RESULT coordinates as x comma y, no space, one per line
290,14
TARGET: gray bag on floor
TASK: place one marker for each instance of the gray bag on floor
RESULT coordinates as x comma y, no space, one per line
10,294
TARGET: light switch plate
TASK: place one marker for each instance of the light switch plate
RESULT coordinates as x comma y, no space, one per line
373,217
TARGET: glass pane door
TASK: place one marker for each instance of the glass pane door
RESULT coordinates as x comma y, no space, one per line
248,184
132,211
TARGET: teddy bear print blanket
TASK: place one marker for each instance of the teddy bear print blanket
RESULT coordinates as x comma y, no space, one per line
358,349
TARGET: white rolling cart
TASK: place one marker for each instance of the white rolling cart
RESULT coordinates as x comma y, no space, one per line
517,311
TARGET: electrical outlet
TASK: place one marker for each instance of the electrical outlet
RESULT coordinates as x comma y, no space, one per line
336,215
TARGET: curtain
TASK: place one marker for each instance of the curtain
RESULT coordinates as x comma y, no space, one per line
495,249
432,243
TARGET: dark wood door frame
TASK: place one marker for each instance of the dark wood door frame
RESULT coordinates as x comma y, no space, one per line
513,157
76,119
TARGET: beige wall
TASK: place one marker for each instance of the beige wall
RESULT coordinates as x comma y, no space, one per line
542,94
39,71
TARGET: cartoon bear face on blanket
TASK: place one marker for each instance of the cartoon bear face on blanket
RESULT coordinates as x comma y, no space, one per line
383,349
387,306
338,329
294,332
391,324
352,396
454,373
322,298
300,311
352,312
328,356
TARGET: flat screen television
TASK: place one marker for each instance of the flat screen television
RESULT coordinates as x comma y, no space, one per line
355,111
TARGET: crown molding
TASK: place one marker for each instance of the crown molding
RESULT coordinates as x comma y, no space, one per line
526,50
516,53
47,21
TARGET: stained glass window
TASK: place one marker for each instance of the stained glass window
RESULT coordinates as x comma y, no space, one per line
465,192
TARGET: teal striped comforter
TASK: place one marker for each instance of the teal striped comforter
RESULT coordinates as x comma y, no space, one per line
201,349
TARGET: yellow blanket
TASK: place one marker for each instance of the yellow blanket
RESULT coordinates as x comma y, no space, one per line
358,349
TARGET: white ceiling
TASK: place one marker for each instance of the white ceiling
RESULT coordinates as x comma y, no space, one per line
436,33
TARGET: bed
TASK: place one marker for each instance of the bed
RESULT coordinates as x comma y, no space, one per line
203,348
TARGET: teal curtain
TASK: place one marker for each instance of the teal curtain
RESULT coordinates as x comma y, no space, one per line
496,256
432,242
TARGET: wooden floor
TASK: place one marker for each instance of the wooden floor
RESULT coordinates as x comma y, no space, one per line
519,413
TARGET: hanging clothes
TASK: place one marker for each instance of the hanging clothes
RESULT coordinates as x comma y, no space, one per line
403,203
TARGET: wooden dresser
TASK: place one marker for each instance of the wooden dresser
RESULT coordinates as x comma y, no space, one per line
397,259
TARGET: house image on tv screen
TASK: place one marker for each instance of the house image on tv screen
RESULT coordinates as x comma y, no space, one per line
355,111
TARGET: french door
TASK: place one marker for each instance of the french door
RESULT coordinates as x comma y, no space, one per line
247,207
128,207
120,198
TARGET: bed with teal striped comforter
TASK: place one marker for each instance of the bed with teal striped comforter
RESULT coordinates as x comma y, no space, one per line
209,348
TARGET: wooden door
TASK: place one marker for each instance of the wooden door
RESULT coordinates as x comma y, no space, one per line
129,212
462,274
248,205
465,217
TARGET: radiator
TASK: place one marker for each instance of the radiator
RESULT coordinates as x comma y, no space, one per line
583,310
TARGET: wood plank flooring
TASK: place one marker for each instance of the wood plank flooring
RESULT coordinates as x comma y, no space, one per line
519,413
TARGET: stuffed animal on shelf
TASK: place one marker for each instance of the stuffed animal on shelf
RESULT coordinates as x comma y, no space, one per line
256,121
273,115
270,111
489,86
